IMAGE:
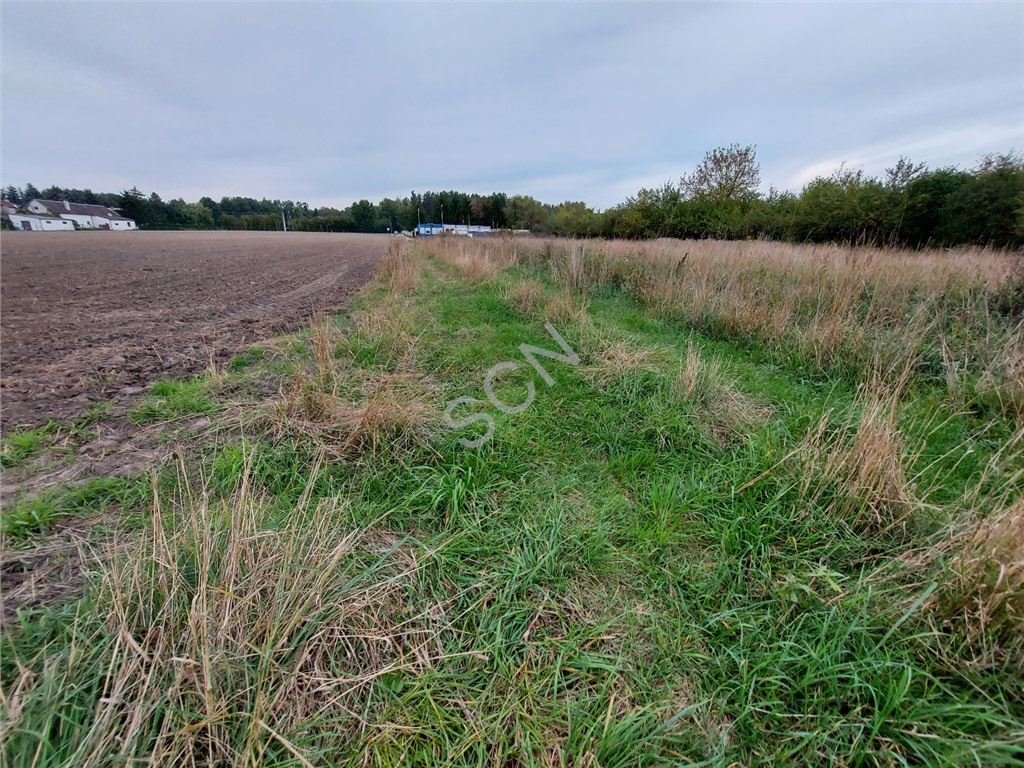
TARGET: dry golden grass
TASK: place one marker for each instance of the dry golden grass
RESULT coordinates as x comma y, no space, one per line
565,310
400,271
325,338
976,564
723,411
388,329
622,358
1003,379
859,308
476,264
227,636
395,411
859,474
982,592
524,296
697,378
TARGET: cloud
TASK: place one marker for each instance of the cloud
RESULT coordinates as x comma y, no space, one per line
960,146
331,103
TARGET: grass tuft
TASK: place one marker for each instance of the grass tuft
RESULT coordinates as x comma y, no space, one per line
226,636
396,412
981,595
384,335
524,296
723,411
22,444
565,310
860,475
171,399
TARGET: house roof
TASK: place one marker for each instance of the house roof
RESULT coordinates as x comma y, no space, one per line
32,215
80,209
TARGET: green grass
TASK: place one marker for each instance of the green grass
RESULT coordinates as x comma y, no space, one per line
173,399
22,444
37,514
246,359
603,583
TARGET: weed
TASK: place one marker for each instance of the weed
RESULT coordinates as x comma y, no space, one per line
384,335
222,638
982,590
723,410
622,359
565,310
860,474
395,412
325,339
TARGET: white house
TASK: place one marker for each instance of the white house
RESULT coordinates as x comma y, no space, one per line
37,223
82,215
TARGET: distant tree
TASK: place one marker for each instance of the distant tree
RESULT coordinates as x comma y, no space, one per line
1008,162
847,206
904,172
133,206
572,219
907,205
727,173
988,207
390,213
212,207
523,212
182,215
364,214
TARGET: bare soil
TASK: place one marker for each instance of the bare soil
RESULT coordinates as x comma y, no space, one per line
95,316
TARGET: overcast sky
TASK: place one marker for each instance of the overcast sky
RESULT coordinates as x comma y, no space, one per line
331,103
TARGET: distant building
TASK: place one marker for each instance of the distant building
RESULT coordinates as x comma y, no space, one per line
464,230
81,215
33,222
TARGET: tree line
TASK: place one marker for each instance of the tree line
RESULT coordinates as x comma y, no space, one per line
909,205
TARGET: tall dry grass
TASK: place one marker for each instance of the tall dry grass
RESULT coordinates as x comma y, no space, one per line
345,410
230,640
982,590
524,296
400,271
858,311
858,472
474,258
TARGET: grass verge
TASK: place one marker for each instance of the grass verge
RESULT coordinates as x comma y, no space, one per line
674,552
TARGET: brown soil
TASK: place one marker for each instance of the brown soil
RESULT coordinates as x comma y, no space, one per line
95,316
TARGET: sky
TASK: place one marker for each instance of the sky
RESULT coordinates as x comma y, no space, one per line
331,103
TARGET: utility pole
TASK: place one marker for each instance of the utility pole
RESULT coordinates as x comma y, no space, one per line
284,224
